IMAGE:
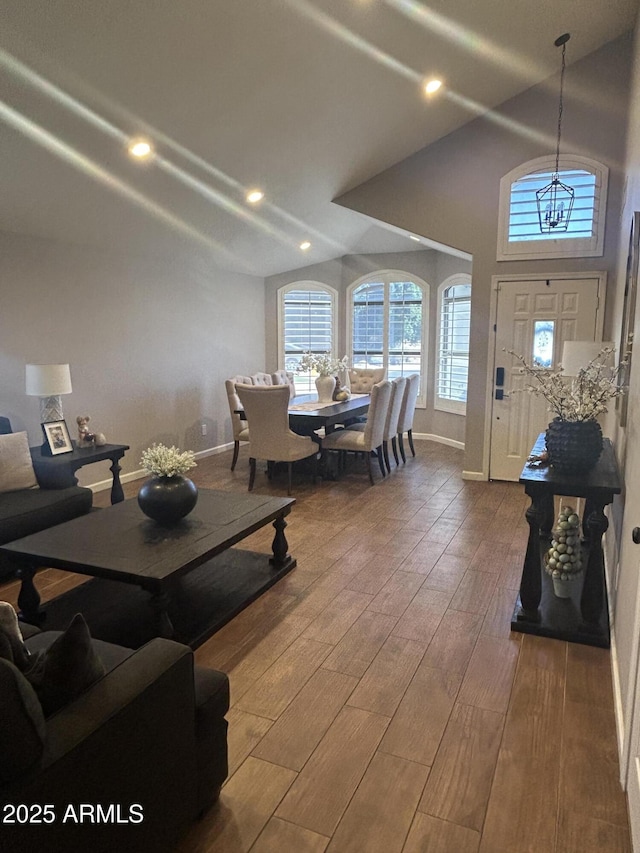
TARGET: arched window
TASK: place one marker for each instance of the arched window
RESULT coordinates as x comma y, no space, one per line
452,370
520,235
388,324
307,317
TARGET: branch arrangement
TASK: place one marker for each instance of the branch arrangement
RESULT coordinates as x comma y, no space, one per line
579,398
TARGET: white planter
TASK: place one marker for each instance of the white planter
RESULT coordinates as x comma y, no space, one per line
562,589
325,386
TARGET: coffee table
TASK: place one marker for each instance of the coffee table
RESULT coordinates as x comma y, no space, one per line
119,543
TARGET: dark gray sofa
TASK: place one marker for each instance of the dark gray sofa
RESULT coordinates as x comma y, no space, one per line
151,732
30,510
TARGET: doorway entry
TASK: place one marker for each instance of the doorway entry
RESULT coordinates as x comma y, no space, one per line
534,317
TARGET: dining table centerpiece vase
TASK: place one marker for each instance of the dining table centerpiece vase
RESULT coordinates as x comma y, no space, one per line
326,367
167,496
574,436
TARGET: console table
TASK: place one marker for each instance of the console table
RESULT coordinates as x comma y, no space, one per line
58,472
582,618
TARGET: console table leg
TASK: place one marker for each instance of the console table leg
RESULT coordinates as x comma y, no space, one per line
28,597
117,495
531,584
159,602
280,545
592,600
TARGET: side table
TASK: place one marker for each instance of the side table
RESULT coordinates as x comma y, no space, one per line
58,472
583,618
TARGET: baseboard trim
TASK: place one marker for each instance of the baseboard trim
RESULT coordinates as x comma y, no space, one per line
440,439
102,485
475,475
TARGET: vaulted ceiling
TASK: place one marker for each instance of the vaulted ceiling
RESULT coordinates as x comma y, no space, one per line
303,99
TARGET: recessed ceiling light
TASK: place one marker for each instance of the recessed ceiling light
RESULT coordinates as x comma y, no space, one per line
305,245
413,237
141,149
255,196
432,86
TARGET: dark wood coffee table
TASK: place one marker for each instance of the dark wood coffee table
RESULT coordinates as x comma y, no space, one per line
119,543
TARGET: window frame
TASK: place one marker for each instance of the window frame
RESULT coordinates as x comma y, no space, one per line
305,285
444,404
386,276
561,247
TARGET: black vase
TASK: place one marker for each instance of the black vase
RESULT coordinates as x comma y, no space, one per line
573,446
167,499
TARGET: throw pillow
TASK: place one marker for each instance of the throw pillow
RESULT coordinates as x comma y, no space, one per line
67,668
16,467
22,732
11,634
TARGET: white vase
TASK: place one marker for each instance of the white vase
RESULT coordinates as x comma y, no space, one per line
325,386
562,589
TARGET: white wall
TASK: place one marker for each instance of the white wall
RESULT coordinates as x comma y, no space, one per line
150,343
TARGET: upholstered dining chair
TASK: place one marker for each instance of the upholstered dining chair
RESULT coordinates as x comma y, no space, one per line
240,427
391,424
363,379
405,422
261,379
271,439
284,377
369,439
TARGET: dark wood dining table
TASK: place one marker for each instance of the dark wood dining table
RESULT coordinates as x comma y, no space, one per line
307,420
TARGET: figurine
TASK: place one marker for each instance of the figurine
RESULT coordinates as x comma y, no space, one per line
86,438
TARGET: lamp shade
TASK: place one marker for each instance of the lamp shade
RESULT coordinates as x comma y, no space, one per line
578,354
47,380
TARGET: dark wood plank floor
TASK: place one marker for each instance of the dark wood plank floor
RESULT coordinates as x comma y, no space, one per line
380,701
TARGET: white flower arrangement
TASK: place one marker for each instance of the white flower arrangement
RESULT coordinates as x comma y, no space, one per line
324,364
167,461
579,398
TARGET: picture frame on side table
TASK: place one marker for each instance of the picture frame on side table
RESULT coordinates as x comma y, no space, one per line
628,314
56,438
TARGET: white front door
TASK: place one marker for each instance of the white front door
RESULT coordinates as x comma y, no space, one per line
534,318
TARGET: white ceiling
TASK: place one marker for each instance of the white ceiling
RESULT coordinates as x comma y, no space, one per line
302,98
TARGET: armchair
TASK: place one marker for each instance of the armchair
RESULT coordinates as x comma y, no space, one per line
151,732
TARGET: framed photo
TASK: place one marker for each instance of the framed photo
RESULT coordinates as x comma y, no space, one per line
57,438
628,313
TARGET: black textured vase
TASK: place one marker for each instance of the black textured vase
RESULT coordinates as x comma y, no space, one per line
167,499
573,446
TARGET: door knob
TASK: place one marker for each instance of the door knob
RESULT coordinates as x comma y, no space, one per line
635,535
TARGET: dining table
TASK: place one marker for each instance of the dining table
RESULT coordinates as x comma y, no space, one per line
307,414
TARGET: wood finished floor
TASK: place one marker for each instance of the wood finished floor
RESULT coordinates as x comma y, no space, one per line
380,701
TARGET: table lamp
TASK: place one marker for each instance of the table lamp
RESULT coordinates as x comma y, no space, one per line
578,354
48,381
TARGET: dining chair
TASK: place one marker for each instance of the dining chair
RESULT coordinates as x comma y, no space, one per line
271,439
405,422
240,426
363,379
261,378
369,439
284,377
391,424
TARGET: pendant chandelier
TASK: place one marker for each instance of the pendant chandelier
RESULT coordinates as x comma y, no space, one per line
555,201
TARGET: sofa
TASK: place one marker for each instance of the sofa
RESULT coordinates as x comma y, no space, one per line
35,507
127,765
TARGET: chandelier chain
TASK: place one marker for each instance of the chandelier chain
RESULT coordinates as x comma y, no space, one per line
560,108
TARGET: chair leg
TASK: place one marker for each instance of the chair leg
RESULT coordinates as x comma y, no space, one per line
385,450
236,449
252,472
378,452
371,480
410,437
401,443
289,467
394,447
